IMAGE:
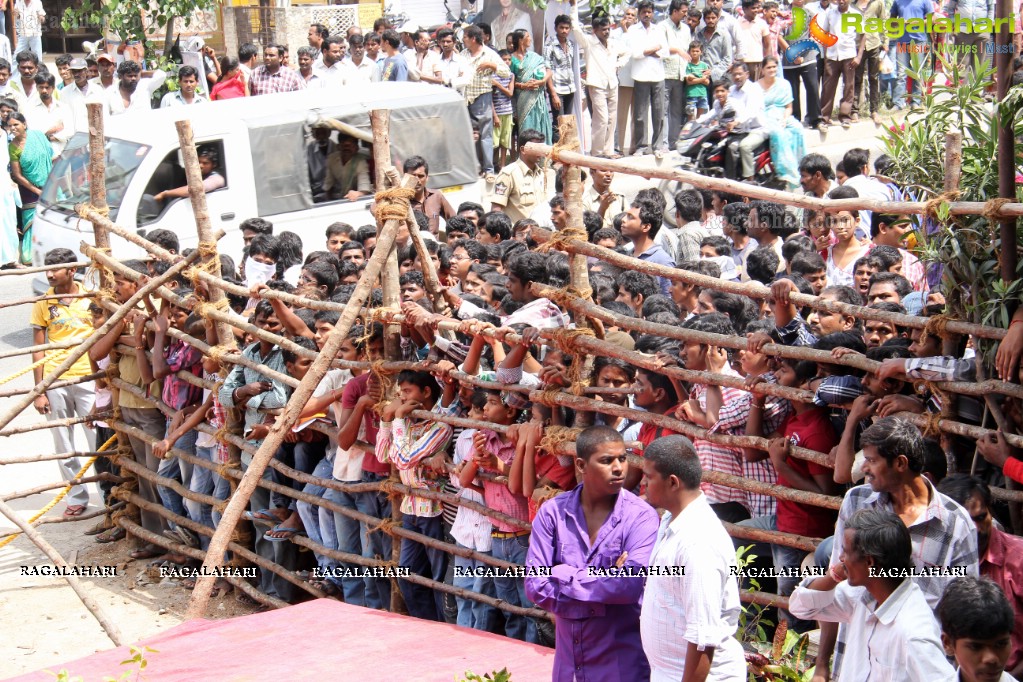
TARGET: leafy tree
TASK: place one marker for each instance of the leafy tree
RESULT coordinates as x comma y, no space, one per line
965,247
125,18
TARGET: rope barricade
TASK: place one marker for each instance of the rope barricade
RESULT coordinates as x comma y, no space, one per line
392,206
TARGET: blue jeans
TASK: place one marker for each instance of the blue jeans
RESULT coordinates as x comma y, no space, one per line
221,491
473,614
902,62
377,544
350,540
513,590
822,555
301,456
201,482
481,111
172,467
423,602
33,44
317,521
284,554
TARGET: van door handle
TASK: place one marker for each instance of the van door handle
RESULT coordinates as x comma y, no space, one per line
227,216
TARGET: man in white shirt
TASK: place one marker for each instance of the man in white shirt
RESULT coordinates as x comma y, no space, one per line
28,24
892,634
603,57
747,99
649,47
855,166
24,85
840,60
357,67
677,39
305,67
133,93
332,71
688,621
248,56
45,114
451,66
76,95
425,59
185,95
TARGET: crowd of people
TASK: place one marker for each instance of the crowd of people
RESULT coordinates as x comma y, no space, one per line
920,578
900,510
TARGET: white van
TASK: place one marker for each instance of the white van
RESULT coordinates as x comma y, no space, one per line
261,143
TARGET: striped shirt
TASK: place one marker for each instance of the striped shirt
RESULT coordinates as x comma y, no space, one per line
723,458
498,496
406,444
776,411
262,82
471,529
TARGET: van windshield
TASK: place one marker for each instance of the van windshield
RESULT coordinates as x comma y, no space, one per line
68,183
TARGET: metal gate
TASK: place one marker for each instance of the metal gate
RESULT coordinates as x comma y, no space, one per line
258,24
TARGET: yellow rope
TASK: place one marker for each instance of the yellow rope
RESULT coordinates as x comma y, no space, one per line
60,496
56,356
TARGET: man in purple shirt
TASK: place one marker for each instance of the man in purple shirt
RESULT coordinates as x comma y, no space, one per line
590,538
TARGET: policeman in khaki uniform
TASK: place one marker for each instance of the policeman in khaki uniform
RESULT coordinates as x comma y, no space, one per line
521,186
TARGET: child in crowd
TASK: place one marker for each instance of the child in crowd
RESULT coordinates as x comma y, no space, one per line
697,80
504,90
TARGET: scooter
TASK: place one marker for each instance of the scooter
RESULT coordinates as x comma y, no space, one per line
704,150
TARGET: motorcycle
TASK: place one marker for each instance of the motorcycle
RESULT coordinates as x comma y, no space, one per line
704,150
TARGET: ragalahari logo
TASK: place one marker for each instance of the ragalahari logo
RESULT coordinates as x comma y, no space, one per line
806,35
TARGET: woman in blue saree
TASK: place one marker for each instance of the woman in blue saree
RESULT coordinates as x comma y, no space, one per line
31,162
787,146
531,76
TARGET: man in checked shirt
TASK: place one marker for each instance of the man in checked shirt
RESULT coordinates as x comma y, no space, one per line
942,532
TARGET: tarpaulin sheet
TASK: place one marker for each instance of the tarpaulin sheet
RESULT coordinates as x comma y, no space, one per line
318,640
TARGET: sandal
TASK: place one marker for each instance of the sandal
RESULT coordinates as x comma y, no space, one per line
245,599
147,552
221,587
111,535
281,528
74,510
262,515
327,587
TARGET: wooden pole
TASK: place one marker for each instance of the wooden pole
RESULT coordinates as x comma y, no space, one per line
630,167
81,349
98,184
392,300
41,268
52,297
209,258
84,593
267,449
1007,256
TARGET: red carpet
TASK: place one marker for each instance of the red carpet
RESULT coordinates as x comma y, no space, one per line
318,640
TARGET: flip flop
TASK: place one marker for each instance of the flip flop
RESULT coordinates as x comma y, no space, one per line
280,528
74,510
261,515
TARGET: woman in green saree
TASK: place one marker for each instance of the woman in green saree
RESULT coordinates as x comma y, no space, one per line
531,76
31,162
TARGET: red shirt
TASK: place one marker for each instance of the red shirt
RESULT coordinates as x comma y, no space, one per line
561,475
648,433
355,389
1003,563
811,429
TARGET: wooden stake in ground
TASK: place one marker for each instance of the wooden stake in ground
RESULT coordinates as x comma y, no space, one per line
98,184
113,632
240,499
